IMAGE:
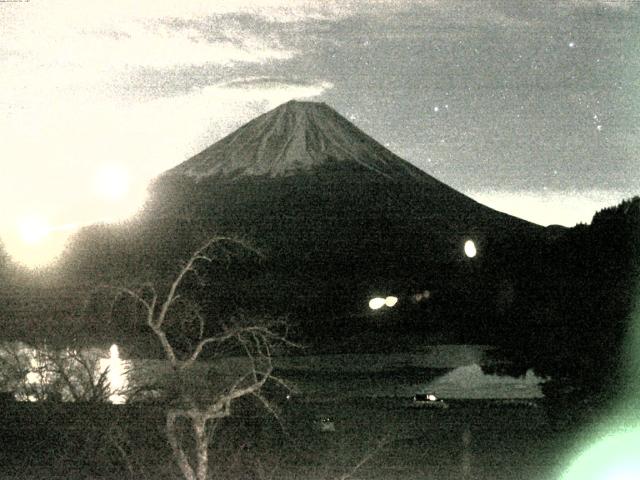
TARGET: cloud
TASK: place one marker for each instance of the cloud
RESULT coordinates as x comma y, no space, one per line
612,4
265,81
163,47
102,46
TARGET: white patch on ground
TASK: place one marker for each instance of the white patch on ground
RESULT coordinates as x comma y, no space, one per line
471,382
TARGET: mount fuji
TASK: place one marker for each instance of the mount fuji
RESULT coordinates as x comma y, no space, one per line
337,216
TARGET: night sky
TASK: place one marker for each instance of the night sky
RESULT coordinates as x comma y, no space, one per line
531,107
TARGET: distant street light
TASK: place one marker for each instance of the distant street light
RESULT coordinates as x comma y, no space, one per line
390,301
470,249
379,302
376,303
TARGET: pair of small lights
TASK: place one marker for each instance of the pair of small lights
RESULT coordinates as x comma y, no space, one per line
379,302
420,296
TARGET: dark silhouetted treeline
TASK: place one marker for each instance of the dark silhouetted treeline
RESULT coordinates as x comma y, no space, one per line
568,310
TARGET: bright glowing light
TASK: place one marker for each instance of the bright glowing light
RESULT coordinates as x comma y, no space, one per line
33,378
33,229
470,249
33,242
111,182
116,375
390,301
114,352
377,303
613,458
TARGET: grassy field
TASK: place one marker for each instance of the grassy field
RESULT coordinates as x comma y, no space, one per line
469,440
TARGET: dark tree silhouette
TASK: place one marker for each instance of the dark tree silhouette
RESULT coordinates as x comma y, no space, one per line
179,325
573,304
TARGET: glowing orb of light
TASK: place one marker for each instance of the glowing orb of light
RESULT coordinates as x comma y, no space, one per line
615,457
33,229
390,301
377,303
33,242
111,182
470,249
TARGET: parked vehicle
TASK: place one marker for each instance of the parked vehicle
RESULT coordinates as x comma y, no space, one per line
428,400
325,424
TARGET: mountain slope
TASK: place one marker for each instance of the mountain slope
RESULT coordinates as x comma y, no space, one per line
337,217
302,177
293,138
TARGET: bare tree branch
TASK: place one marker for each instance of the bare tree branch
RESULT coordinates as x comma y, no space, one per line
367,458
178,452
256,340
198,255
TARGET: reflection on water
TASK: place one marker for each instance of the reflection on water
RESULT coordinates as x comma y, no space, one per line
66,375
450,371
116,375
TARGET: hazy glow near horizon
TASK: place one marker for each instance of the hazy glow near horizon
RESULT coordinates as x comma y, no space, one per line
33,229
550,208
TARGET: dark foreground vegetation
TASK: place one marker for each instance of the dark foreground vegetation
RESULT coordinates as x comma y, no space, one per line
371,438
561,303
573,308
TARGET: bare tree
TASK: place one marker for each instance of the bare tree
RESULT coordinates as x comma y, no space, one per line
193,401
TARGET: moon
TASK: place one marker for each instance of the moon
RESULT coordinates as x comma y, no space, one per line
111,182
33,241
33,229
